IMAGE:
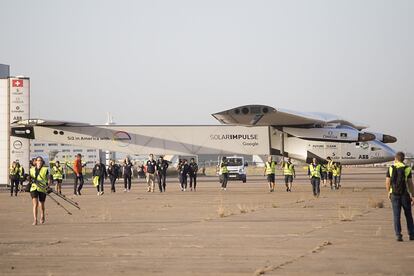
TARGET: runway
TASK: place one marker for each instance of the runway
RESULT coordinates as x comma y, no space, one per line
242,231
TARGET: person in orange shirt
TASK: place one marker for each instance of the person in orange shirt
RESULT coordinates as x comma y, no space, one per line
77,168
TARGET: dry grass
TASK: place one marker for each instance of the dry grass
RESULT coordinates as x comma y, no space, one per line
223,212
375,203
243,208
346,215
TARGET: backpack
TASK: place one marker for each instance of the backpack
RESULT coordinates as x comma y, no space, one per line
398,180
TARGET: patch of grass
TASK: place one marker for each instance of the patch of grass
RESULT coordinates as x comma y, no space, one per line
376,203
223,211
243,208
346,215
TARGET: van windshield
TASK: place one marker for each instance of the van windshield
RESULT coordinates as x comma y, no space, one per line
234,161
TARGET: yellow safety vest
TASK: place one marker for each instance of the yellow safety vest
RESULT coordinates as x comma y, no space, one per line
400,165
95,181
315,171
288,169
323,168
41,179
223,168
21,170
270,167
13,171
57,173
336,171
330,166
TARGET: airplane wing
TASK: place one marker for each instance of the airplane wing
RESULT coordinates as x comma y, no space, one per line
40,122
262,115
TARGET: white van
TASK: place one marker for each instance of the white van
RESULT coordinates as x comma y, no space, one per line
236,166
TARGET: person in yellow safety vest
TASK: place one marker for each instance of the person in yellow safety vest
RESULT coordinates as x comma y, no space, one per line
57,175
324,175
14,178
340,174
289,173
270,172
39,177
315,172
329,167
336,172
22,176
224,171
399,185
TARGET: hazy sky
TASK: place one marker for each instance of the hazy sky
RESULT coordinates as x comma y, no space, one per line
176,62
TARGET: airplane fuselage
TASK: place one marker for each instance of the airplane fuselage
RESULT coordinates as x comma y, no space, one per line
218,139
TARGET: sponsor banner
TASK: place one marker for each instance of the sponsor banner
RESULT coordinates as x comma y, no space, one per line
19,95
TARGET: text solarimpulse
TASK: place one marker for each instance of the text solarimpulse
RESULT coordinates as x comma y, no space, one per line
234,137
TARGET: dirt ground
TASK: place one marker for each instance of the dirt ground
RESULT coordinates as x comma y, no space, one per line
242,231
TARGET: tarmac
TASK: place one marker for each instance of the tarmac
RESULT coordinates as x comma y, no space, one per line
245,230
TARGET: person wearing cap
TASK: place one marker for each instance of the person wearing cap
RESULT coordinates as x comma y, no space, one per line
162,166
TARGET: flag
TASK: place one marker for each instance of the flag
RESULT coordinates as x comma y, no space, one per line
17,83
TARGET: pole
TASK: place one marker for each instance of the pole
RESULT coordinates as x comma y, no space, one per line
68,200
57,202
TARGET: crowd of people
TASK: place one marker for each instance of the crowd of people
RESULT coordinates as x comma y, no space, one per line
399,183
155,172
